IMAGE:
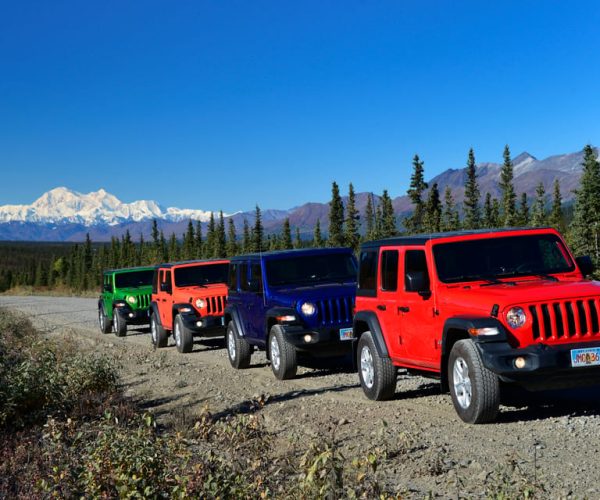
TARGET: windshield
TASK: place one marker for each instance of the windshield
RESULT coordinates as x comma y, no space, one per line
311,269
134,279
488,259
205,274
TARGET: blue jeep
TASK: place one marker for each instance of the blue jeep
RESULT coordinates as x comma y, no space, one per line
290,302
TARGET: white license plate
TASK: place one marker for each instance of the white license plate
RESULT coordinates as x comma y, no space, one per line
346,334
585,357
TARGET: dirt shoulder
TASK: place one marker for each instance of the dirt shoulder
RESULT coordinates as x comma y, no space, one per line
421,446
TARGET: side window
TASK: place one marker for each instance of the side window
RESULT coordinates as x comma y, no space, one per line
168,278
389,270
155,281
416,275
232,278
367,273
256,284
244,277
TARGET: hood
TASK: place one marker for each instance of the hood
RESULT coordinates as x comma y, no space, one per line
198,292
481,298
138,290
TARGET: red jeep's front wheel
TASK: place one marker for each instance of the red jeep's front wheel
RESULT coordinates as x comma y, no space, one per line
377,375
475,390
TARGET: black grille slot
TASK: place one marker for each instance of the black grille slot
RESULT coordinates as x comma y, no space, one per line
535,326
582,318
335,311
594,315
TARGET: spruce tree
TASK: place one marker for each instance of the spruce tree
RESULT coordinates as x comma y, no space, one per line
523,213
232,245
450,219
173,248
509,211
585,228
556,213
432,219
156,250
246,238
387,216
286,238
198,243
297,239
189,242
370,218
164,251
496,218
414,223
472,219
220,248
317,237
351,235
538,210
257,232
487,212
336,218
211,236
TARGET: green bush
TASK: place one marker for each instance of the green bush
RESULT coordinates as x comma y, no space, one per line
39,377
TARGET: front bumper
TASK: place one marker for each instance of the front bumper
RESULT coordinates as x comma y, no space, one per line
133,317
325,341
209,325
546,367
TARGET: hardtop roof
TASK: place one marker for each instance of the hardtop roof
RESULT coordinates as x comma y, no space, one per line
291,252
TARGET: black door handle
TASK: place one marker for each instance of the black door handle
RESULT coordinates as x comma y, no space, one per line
403,309
381,307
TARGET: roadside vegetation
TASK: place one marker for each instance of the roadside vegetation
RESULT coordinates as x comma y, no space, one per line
67,430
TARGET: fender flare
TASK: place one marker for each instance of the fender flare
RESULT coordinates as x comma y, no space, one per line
372,322
154,310
232,313
271,317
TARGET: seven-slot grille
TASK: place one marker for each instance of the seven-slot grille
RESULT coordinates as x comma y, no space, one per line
143,301
215,305
335,311
555,321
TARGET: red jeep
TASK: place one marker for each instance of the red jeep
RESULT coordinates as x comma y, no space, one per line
476,309
188,299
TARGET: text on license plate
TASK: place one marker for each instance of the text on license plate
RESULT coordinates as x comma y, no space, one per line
346,334
585,357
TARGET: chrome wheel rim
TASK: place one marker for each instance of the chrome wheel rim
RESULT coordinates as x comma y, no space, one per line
367,368
116,323
153,330
231,345
177,334
275,353
462,383
101,320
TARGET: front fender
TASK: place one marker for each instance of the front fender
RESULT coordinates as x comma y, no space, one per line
233,314
369,318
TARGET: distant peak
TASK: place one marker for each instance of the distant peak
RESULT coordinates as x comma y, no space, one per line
524,156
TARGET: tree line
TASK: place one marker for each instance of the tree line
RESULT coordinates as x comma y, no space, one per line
431,212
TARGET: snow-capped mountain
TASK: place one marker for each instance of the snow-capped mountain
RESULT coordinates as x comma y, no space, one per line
62,205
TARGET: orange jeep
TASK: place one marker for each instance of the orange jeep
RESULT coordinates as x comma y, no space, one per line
188,299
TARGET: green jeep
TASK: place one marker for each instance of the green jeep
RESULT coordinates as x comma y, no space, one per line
125,299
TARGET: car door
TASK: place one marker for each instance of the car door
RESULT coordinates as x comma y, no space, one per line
165,299
255,302
419,325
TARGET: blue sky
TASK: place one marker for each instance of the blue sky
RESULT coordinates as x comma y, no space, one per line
222,105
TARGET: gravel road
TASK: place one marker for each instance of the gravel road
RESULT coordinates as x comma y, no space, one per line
550,441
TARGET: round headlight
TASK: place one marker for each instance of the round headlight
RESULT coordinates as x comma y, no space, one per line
308,309
200,303
516,317
131,299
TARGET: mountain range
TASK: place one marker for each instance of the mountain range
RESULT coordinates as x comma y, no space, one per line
65,215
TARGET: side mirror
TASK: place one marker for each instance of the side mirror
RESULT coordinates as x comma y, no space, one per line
585,264
418,281
107,288
165,287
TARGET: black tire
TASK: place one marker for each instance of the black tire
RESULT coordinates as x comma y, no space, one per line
282,355
119,324
239,351
377,375
158,335
104,321
475,390
184,338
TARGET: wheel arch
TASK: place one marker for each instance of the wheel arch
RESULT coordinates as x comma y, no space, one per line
368,321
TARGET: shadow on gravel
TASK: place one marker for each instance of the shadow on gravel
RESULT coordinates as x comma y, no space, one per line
255,405
527,406
424,390
210,344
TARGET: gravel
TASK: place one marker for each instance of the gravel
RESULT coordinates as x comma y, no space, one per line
544,442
